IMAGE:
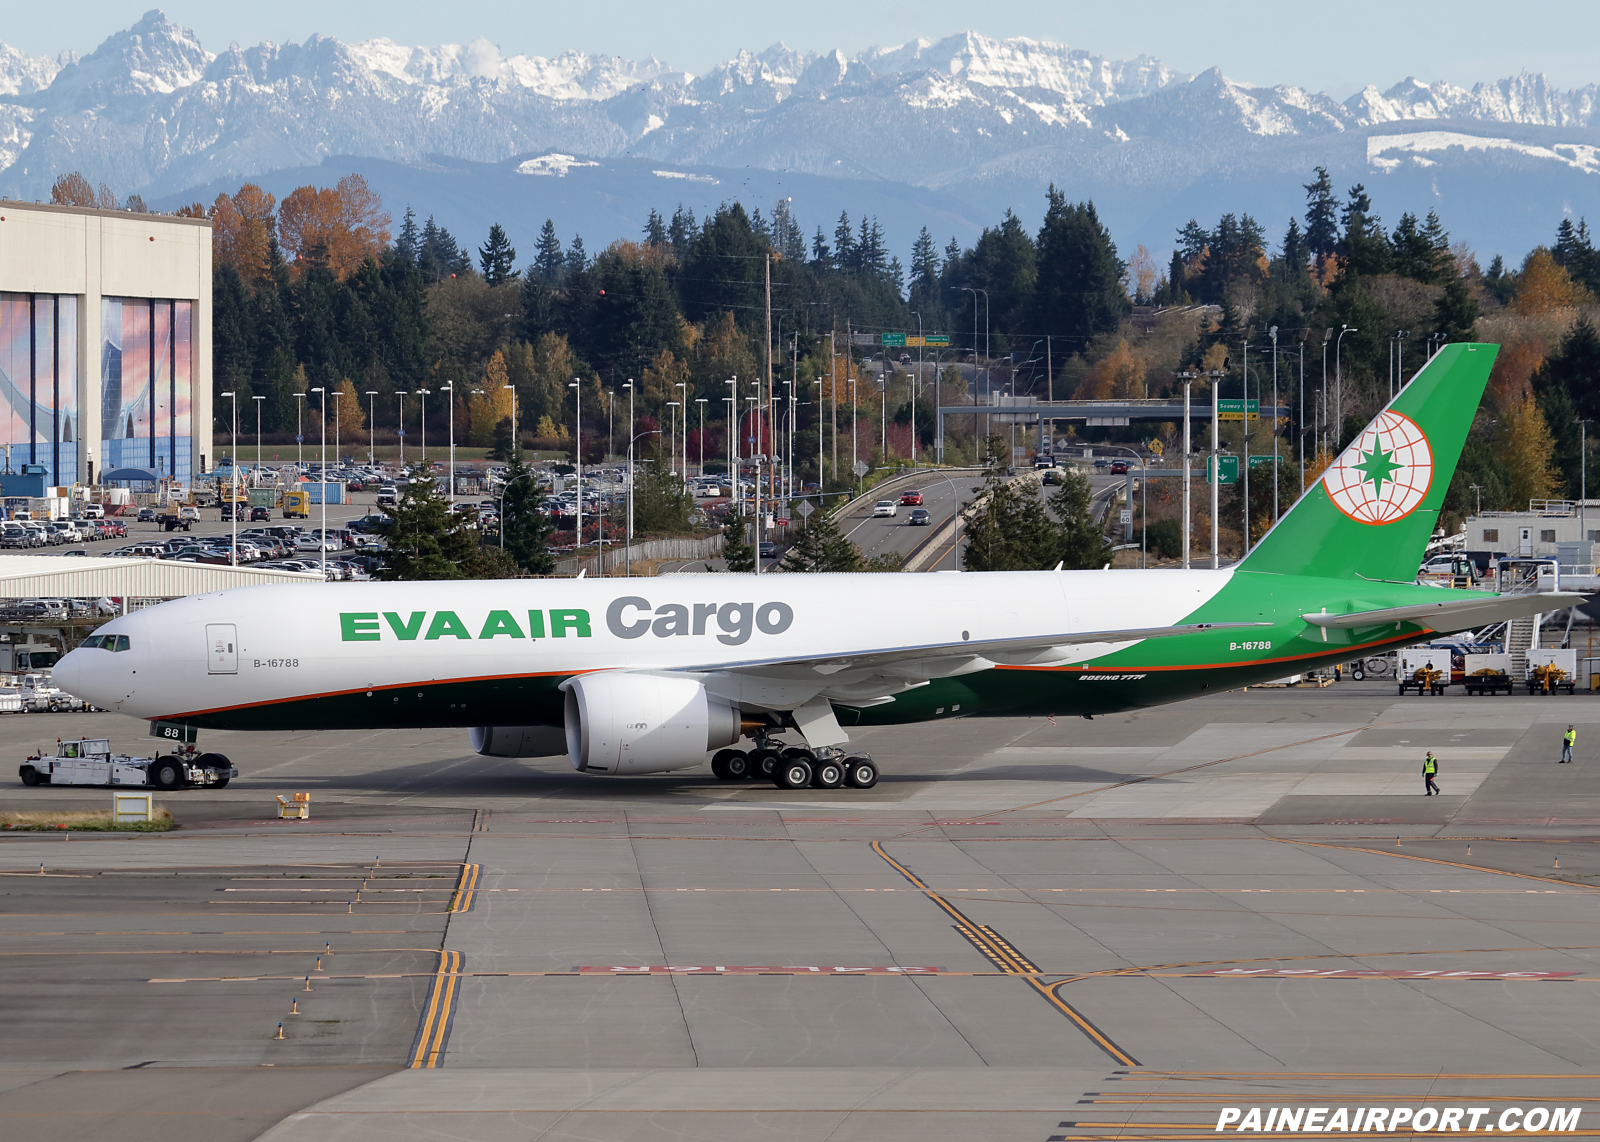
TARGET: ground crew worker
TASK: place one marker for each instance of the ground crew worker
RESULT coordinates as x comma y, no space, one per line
1430,767
1567,740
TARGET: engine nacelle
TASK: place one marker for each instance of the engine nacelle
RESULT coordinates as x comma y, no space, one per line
623,722
518,741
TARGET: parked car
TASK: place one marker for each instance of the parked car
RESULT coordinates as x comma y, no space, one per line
260,514
147,515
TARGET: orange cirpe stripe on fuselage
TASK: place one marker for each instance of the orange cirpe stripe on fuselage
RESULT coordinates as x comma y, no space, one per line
1405,638
366,690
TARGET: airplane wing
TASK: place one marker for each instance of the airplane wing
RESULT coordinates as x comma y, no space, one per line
1453,614
1003,648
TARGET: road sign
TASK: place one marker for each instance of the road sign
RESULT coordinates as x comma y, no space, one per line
894,340
1228,469
1126,516
299,439
937,340
1235,409
806,508
912,341
861,468
1262,461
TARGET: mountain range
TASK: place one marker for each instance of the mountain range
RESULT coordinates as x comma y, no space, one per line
947,134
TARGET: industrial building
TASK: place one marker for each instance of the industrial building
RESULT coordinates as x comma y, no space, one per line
105,344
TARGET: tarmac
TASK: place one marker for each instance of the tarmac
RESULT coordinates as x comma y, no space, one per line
1115,928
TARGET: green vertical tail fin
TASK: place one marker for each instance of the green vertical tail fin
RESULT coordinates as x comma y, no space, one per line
1371,514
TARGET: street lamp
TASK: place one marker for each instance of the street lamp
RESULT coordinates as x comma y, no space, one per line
322,475
855,458
1273,333
451,389
423,395
336,395
1338,385
1327,335
577,452
299,432
684,399
402,432
701,401
372,427
258,401
233,503
672,437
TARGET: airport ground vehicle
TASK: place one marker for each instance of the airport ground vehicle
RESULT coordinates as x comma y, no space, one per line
89,761
1552,670
296,505
1487,673
178,517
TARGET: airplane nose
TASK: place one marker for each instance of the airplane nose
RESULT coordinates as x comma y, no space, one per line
68,673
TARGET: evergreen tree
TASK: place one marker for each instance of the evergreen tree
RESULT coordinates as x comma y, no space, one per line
661,504
845,257
681,231
787,238
1080,543
737,550
425,539
577,260
1455,314
821,546
655,229
547,257
525,528
1007,527
497,257
439,256
409,244
1365,245
924,266
1078,290
1322,214
1575,367
821,254
1296,251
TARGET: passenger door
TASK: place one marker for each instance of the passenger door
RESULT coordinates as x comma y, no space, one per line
222,649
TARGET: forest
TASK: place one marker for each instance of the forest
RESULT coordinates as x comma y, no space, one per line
326,288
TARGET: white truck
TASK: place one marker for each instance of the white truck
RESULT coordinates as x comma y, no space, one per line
89,761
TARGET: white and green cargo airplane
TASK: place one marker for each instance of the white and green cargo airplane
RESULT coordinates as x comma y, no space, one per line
650,675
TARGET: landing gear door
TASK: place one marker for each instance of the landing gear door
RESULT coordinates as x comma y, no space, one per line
222,649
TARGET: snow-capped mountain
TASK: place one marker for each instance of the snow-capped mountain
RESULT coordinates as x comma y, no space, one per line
985,122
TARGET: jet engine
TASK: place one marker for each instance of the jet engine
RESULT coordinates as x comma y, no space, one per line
518,741
625,722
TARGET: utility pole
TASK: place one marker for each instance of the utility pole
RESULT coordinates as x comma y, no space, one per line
322,477
1327,335
402,429
627,549
233,466
772,439
258,401
1300,421
1187,377
372,427
577,454
833,386
451,389
299,432
1338,386
1245,441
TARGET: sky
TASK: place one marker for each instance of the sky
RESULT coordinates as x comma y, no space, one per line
1337,49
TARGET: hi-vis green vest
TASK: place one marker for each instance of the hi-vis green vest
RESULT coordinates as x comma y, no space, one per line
1570,736
1430,765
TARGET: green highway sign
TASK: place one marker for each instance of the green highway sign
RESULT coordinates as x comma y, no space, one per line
1227,468
894,340
937,341
1235,409
913,341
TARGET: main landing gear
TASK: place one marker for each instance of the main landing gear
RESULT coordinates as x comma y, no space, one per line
795,767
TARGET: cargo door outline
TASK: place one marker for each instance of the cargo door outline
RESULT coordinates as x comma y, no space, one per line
222,648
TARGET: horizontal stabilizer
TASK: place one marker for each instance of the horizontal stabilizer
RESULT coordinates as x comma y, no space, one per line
1453,614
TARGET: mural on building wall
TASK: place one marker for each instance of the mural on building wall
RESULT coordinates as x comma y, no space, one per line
146,384
39,383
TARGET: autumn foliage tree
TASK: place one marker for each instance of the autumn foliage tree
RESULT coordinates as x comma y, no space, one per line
339,228
243,228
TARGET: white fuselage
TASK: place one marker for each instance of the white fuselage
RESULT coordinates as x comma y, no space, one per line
275,644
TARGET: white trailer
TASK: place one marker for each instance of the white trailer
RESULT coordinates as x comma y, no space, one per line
89,761
1487,673
1552,670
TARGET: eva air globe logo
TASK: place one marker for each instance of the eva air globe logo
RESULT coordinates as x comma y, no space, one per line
1385,474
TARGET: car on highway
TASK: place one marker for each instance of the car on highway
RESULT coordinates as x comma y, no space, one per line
920,517
769,550
885,508
911,498
1119,467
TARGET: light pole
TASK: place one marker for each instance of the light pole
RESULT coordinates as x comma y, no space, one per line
1244,434
701,401
1301,422
683,399
577,452
422,395
322,474
1327,335
855,458
451,389
1400,357
975,293
233,503
258,401
372,427
915,385
299,432
402,430
733,434
336,395
627,547
1338,385
1187,378
672,438
1273,332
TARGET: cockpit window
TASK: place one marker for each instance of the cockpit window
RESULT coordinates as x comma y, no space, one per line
98,640
122,642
